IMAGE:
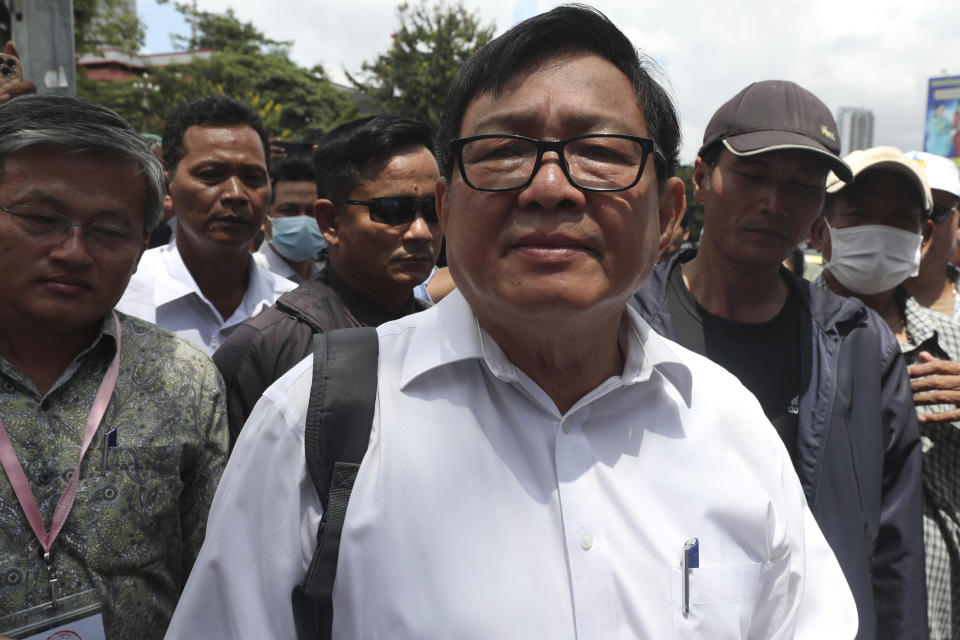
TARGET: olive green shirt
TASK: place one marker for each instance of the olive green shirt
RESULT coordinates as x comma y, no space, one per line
145,485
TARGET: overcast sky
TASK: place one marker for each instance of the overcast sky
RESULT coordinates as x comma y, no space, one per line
875,54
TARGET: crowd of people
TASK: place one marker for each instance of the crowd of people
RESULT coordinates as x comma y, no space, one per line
240,399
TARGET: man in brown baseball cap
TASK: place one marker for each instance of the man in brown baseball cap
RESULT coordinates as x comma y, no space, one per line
826,370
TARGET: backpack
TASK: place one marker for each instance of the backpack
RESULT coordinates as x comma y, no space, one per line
339,419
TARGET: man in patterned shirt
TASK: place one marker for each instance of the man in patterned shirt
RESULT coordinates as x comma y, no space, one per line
872,234
113,431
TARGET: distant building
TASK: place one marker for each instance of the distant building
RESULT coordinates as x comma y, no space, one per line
856,129
109,64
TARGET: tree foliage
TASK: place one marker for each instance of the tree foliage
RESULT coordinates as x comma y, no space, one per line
225,32
295,103
412,78
694,207
100,23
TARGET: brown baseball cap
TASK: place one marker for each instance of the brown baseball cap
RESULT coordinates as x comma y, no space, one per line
774,115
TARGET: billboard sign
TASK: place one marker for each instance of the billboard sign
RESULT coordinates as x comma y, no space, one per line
942,130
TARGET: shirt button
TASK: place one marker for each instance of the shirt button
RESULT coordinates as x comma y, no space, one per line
586,540
565,426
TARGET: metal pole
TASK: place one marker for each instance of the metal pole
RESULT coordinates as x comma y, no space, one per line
43,33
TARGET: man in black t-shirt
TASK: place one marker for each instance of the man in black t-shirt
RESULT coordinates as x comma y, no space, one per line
826,370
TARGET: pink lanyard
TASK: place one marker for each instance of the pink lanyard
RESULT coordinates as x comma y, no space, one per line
18,479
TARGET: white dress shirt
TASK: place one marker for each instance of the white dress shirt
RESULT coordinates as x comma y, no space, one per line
162,291
481,512
267,258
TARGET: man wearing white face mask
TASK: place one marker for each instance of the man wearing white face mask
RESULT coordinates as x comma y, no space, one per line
293,237
872,234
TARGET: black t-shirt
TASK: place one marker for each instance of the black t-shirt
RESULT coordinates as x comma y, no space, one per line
765,356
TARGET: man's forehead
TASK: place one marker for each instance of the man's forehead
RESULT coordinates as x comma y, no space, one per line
226,139
517,107
806,162
891,183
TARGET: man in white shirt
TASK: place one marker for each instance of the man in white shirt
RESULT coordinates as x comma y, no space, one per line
538,457
205,284
292,237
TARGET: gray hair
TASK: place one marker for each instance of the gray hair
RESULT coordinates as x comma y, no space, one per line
78,125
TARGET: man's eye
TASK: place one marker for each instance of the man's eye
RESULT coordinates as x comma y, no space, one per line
106,232
255,180
208,175
38,218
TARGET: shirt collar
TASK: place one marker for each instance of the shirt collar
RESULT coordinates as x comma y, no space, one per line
449,332
104,346
263,287
180,282
274,261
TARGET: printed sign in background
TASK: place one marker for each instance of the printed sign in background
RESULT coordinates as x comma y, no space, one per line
942,131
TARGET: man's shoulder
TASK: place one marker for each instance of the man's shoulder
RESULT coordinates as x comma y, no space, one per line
145,341
270,280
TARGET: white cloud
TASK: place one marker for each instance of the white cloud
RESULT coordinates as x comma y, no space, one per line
875,54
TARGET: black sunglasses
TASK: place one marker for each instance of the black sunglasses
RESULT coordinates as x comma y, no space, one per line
941,212
398,210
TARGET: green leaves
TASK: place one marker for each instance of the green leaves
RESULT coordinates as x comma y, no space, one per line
295,103
412,78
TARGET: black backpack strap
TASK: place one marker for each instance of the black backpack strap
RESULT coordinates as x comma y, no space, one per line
339,419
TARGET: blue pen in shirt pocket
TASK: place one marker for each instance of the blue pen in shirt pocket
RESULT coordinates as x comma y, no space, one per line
691,560
109,442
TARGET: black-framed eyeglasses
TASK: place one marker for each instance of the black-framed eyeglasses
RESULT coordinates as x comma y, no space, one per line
592,162
398,210
45,226
941,212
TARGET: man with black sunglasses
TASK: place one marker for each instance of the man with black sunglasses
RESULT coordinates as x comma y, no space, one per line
375,179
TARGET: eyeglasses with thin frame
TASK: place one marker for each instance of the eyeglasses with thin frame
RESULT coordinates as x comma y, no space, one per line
45,226
941,212
398,210
592,162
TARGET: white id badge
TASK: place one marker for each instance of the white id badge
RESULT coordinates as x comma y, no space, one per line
77,617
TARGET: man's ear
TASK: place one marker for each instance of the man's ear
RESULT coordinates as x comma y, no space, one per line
700,178
927,232
327,214
443,205
820,236
167,199
673,204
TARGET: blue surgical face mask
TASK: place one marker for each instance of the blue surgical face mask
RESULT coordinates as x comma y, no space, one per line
296,237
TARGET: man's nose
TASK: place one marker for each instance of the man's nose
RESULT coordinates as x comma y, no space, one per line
72,247
419,231
233,187
550,187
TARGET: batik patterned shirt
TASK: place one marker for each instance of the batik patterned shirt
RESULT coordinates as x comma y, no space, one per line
145,485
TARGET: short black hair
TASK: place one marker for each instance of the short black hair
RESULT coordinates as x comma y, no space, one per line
290,169
343,154
566,29
208,111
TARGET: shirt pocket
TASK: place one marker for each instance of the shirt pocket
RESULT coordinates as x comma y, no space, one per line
131,507
722,600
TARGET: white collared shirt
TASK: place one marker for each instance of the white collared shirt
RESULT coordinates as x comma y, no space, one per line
164,292
481,512
267,258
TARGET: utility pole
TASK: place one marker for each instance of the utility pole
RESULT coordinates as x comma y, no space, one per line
43,33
